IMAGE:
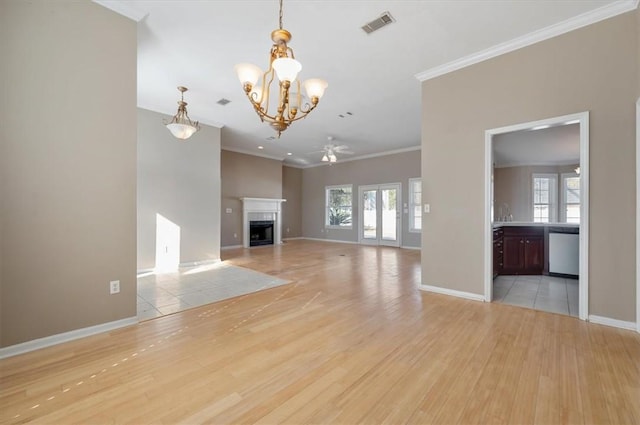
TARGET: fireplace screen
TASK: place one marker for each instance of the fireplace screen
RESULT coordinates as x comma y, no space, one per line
261,232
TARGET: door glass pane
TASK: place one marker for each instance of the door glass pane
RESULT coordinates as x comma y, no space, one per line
369,221
389,214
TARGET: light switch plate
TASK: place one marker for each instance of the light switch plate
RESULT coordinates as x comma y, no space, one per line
427,208
229,211
114,287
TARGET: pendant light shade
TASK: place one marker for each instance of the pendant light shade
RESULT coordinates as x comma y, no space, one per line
180,125
315,87
181,131
287,69
248,73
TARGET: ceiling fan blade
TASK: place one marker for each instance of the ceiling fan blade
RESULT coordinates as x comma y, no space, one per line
343,149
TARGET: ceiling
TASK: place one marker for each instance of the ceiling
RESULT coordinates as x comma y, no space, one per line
197,44
557,145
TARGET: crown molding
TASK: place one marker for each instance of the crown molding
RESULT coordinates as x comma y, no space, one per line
605,12
510,164
357,158
123,8
247,152
300,167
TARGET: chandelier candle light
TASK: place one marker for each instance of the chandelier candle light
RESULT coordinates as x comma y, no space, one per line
291,106
180,125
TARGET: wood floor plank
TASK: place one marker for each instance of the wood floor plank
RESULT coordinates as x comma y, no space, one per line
351,339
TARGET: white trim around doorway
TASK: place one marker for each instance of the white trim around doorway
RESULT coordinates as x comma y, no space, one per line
638,215
582,119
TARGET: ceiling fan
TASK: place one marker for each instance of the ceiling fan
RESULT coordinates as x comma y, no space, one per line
331,149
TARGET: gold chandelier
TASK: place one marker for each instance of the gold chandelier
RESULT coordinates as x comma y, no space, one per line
181,125
291,105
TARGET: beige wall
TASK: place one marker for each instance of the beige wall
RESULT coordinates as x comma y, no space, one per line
68,167
590,69
292,209
179,180
514,185
245,175
396,168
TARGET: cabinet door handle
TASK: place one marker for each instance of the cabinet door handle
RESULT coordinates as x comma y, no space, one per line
521,241
527,241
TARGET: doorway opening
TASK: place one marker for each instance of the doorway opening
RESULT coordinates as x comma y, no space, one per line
380,218
539,214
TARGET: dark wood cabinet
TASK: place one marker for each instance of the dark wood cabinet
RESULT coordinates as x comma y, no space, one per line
534,254
498,251
513,258
523,250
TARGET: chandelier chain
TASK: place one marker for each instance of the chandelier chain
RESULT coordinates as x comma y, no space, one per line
280,14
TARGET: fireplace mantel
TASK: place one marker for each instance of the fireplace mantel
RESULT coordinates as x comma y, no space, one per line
262,209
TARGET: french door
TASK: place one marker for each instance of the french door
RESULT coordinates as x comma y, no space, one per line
380,216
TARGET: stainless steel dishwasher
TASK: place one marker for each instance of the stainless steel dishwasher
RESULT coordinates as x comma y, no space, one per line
564,251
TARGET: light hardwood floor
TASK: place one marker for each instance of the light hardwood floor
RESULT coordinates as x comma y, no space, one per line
351,340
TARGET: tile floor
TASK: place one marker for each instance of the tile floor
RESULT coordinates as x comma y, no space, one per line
167,293
546,293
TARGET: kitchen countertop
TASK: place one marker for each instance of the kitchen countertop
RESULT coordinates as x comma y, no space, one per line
498,224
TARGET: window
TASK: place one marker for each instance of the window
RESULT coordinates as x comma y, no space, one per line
338,207
415,205
570,208
545,197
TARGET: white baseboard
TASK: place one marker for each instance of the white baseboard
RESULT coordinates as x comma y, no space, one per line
416,248
36,344
612,322
451,292
331,240
223,248
293,239
144,271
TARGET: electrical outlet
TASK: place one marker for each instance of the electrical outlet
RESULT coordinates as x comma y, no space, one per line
229,210
287,230
235,235
114,287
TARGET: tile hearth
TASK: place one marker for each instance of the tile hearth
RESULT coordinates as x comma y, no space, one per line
167,293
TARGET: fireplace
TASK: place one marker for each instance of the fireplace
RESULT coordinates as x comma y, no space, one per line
261,221
260,232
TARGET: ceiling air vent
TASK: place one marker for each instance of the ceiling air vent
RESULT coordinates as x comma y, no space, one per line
376,24
223,101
